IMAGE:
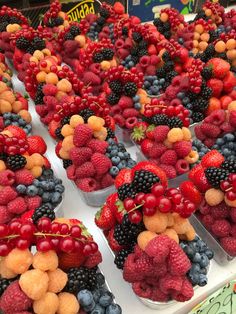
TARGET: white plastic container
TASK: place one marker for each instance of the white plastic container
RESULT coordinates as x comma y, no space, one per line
124,136
97,198
59,209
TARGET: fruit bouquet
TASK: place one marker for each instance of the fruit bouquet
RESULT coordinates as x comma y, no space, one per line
28,184
147,227
51,266
92,156
11,21
214,177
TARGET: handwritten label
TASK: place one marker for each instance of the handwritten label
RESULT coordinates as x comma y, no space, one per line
82,9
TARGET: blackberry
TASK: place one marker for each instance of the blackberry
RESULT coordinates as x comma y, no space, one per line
175,122
215,176
110,134
210,51
86,113
142,52
68,36
98,57
43,211
101,21
213,36
14,20
58,21
197,116
206,92
39,95
107,53
201,15
166,56
206,73
125,31
144,180
22,43
167,35
113,99
67,163
80,279
116,87
161,73
192,96
134,51
168,66
142,45
38,43
75,30
30,50
3,26
3,156
121,257
160,119
166,26
137,37
229,165
4,283
222,55
157,22
65,120
171,75
130,89
104,13
16,162
135,59
126,190
58,134
202,104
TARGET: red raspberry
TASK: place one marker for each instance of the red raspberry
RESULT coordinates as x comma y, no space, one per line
130,113
125,102
209,142
158,248
170,283
7,194
208,221
157,150
142,289
51,103
233,214
182,148
217,117
21,301
220,211
129,272
131,122
169,171
169,157
86,184
221,228
33,202
229,245
93,260
98,146
17,206
80,155
7,177
160,133
70,171
82,135
144,264
178,262
24,176
85,170
49,90
204,208
119,119
186,292
199,134
158,295
233,230
5,216
182,166
41,110
107,181
101,163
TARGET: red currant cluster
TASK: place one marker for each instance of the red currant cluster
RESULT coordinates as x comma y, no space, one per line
166,200
214,11
176,51
13,145
229,187
27,32
118,27
46,235
7,11
227,36
55,8
195,77
174,18
112,14
146,31
207,25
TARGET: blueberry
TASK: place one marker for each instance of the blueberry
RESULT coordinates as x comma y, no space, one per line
7,122
202,280
21,188
229,137
22,122
48,173
209,253
98,310
204,261
136,98
197,258
194,277
131,64
115,160
122,165
106,299
46,197
114,152
156,82
121,155
40,191
202,246
137,106
195,267
189,251
185,100
180,95
131,163
100,279
85,297
126,155
146,84
32,190
59,188
113,309
203,271
7,115
89,307
162,81
180,41
114,171
56,198
220,141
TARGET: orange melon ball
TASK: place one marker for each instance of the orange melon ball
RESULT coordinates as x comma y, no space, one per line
205,37
164,17
41,76
208,12
199,28
231,54
220,46
195,43
231,44
203,45
51,78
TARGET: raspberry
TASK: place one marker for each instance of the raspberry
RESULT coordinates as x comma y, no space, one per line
67,303
33,202
209,142
21,301
70,171
233,231
17,206
7,194
221,228
170,283
175,135
80,155
182,148
158,295
208,221
57,280
217,117
169,170
157,150
7,177
130,113
86,184
48,301
142,289
144,264
85,170
214,197
186,292
24,176
93,260
101,163
107,181
178,262
221,211
158,248
199,134
129,272
98,146
45,260
233,214
51,103
5,216
160,133
82,135
210,130
119,119
204,208
169,157
182,166
49,90
229,245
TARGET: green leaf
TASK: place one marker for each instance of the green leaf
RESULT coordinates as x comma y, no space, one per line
185,11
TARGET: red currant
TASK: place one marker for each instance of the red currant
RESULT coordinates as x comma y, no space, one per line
129,204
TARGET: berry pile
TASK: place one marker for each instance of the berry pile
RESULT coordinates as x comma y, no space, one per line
22,120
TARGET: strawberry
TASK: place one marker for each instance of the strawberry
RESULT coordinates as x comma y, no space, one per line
149,132
16,131
216,85
124,176
93,260
58,148
114,245
53,125
146,145
189,191
229,82
119,211
219,67
36,145
199,179
138,133
104,218
212,159
47,163
69,260
27,216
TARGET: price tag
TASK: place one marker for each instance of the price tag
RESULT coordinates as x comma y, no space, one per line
222,301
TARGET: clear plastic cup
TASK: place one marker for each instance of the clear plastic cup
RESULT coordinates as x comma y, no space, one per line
97,198
59,209
124,136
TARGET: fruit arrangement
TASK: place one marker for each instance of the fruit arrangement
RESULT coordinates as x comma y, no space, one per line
214,177
167,144
146,225
60,277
